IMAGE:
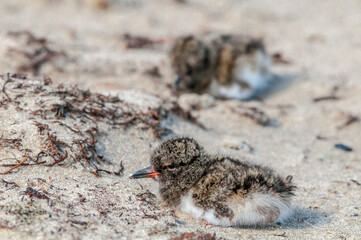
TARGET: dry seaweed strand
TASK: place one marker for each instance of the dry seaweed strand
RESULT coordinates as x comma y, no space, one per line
132,41
146,215
258,116
146,197
24,164
31,192
331,96
16,166
121,169
255,114
195,236
350,119
13,143
356,182
280,235
277,58
4,86
186,114
324,98
13,184
117,173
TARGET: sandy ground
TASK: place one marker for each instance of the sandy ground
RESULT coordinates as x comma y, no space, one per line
291,129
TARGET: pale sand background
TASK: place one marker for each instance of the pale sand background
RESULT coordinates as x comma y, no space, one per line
321,39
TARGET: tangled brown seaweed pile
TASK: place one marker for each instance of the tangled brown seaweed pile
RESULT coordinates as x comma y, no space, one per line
51,110
31,54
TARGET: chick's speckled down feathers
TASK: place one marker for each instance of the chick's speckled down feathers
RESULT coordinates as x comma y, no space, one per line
221,190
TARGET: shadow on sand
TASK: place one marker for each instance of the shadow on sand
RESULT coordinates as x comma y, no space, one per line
300,218
278,83
305,217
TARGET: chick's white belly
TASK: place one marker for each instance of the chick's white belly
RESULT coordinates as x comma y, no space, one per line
234,91
256,81
254,71
256,209
259,208
187,206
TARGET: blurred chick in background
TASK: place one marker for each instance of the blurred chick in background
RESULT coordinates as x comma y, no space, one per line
224,66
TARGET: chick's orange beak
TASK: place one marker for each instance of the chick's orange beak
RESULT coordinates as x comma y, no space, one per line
145,173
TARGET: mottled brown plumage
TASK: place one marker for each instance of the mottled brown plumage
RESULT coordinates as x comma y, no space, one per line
221,190
228,66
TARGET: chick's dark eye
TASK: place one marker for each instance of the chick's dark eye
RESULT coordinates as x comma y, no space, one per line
172,166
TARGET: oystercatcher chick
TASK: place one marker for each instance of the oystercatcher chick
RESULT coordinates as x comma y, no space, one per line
221,190
225,66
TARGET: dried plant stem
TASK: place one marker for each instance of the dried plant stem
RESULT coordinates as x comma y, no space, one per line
16,166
